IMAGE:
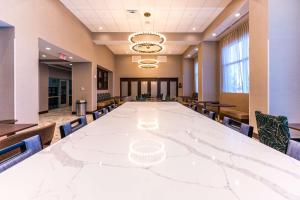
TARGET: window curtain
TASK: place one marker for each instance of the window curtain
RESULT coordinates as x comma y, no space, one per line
235,60
196,75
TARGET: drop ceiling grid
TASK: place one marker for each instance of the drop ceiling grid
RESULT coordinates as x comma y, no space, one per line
167,15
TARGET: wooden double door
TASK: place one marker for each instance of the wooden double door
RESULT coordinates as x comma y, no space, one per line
133,87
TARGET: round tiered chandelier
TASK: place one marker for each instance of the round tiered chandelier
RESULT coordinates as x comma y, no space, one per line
147,42
148,63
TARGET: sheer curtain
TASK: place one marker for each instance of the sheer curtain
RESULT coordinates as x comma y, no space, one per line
235,60
196,75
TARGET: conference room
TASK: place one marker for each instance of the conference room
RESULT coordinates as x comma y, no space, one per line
149,99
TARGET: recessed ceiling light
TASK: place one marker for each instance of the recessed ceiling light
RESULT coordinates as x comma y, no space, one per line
194,28
189,55
70,57
100,28
214,34
48,48
196,49
44,56
237,14
70,64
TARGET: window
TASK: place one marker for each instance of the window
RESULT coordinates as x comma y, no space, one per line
235,61
196,75
102,79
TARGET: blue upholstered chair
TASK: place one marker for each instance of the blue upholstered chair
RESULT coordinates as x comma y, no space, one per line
294,149
99,113
26,148
70,127
111,107
209,114
273,131
238,126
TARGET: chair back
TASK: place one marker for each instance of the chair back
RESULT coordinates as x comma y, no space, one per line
26,148
238,126
70,127
99,113
294,149
46,134
273,131
109,108
194,107
209,114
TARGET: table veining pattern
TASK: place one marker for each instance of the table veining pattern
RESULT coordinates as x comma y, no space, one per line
203,160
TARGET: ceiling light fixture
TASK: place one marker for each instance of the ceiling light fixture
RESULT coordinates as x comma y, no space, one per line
147,42
48,48
44,56
237,14
100,28
70,64
147,47
148,63
147,36
214,34
70,57
194,28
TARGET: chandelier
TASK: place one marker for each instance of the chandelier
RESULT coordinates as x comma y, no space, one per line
148,63
147,42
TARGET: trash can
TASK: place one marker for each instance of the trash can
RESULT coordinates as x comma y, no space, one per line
81,107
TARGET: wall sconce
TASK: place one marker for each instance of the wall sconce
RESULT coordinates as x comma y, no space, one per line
180,85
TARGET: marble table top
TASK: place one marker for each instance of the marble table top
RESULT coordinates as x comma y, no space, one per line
154,151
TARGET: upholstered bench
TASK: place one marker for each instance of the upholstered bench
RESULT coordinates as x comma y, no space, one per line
104,100
235,114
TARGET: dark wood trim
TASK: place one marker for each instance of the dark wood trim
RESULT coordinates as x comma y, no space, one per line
43,112
139,87
149,87
168,88
149,79
104,82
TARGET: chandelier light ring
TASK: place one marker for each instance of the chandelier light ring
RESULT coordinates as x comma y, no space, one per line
148,66
148,61
133,37
137,47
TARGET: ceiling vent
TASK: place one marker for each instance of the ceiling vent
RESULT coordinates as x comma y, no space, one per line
132,11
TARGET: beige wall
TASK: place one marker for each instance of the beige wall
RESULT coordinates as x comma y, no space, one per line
7,73
125,68
51,21
43,87
187,77
82,84
284,59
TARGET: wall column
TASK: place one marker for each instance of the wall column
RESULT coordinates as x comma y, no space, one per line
274,59
208,71
187,77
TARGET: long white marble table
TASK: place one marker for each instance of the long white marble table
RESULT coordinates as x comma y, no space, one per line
154,151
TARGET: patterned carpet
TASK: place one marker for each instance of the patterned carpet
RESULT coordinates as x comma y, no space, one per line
60,116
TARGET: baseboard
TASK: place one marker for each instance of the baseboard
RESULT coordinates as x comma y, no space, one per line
43,112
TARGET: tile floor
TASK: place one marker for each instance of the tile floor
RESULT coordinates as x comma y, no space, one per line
60,116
